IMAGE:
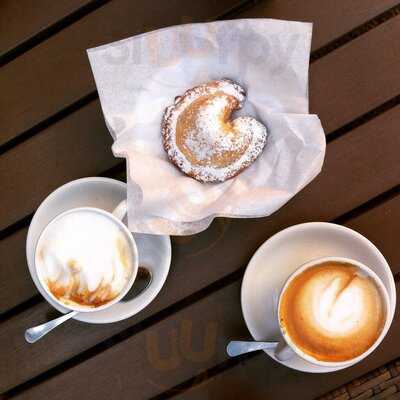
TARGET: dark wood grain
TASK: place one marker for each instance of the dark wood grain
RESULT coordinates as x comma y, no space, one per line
77,146
331,20
227,246
14,272
364,74
336,97
21,20
59,73
188,343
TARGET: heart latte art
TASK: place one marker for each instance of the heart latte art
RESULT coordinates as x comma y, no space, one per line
332,312
201,138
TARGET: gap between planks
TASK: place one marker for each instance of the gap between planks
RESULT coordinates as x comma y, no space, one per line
355,33
51,30
80,13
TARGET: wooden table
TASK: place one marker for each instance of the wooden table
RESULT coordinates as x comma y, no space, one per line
52,131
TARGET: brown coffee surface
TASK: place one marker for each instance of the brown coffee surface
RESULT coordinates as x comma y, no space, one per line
332,312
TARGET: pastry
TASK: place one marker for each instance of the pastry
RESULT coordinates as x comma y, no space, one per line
201,139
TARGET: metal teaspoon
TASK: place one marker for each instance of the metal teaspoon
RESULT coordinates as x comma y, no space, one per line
142,281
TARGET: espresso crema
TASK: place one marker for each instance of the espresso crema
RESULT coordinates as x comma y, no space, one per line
332,312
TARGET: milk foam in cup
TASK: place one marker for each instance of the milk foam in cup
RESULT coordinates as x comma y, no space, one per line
86,259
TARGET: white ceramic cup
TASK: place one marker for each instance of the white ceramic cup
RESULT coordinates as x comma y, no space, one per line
288,349
116,217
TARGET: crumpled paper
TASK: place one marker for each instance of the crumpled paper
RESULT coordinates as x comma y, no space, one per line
138,77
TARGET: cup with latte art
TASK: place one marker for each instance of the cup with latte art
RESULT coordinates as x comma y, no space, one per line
332,311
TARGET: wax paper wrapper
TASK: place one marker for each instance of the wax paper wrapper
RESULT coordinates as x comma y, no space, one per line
138,77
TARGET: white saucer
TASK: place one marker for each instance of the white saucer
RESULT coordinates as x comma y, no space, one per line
283,253
154,251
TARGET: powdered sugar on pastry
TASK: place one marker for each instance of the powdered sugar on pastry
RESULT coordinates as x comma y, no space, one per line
206,137
200,138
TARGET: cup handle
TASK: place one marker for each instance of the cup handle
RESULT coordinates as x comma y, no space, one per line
121,210
283,352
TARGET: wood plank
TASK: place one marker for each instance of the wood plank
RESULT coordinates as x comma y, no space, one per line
227,246
77,146
349,96
188,343
333,19
21,20
59,73
260,377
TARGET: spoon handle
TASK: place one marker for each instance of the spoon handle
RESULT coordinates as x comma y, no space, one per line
236,348
34,334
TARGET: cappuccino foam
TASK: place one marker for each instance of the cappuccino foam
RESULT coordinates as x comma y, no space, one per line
332,312
85,259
